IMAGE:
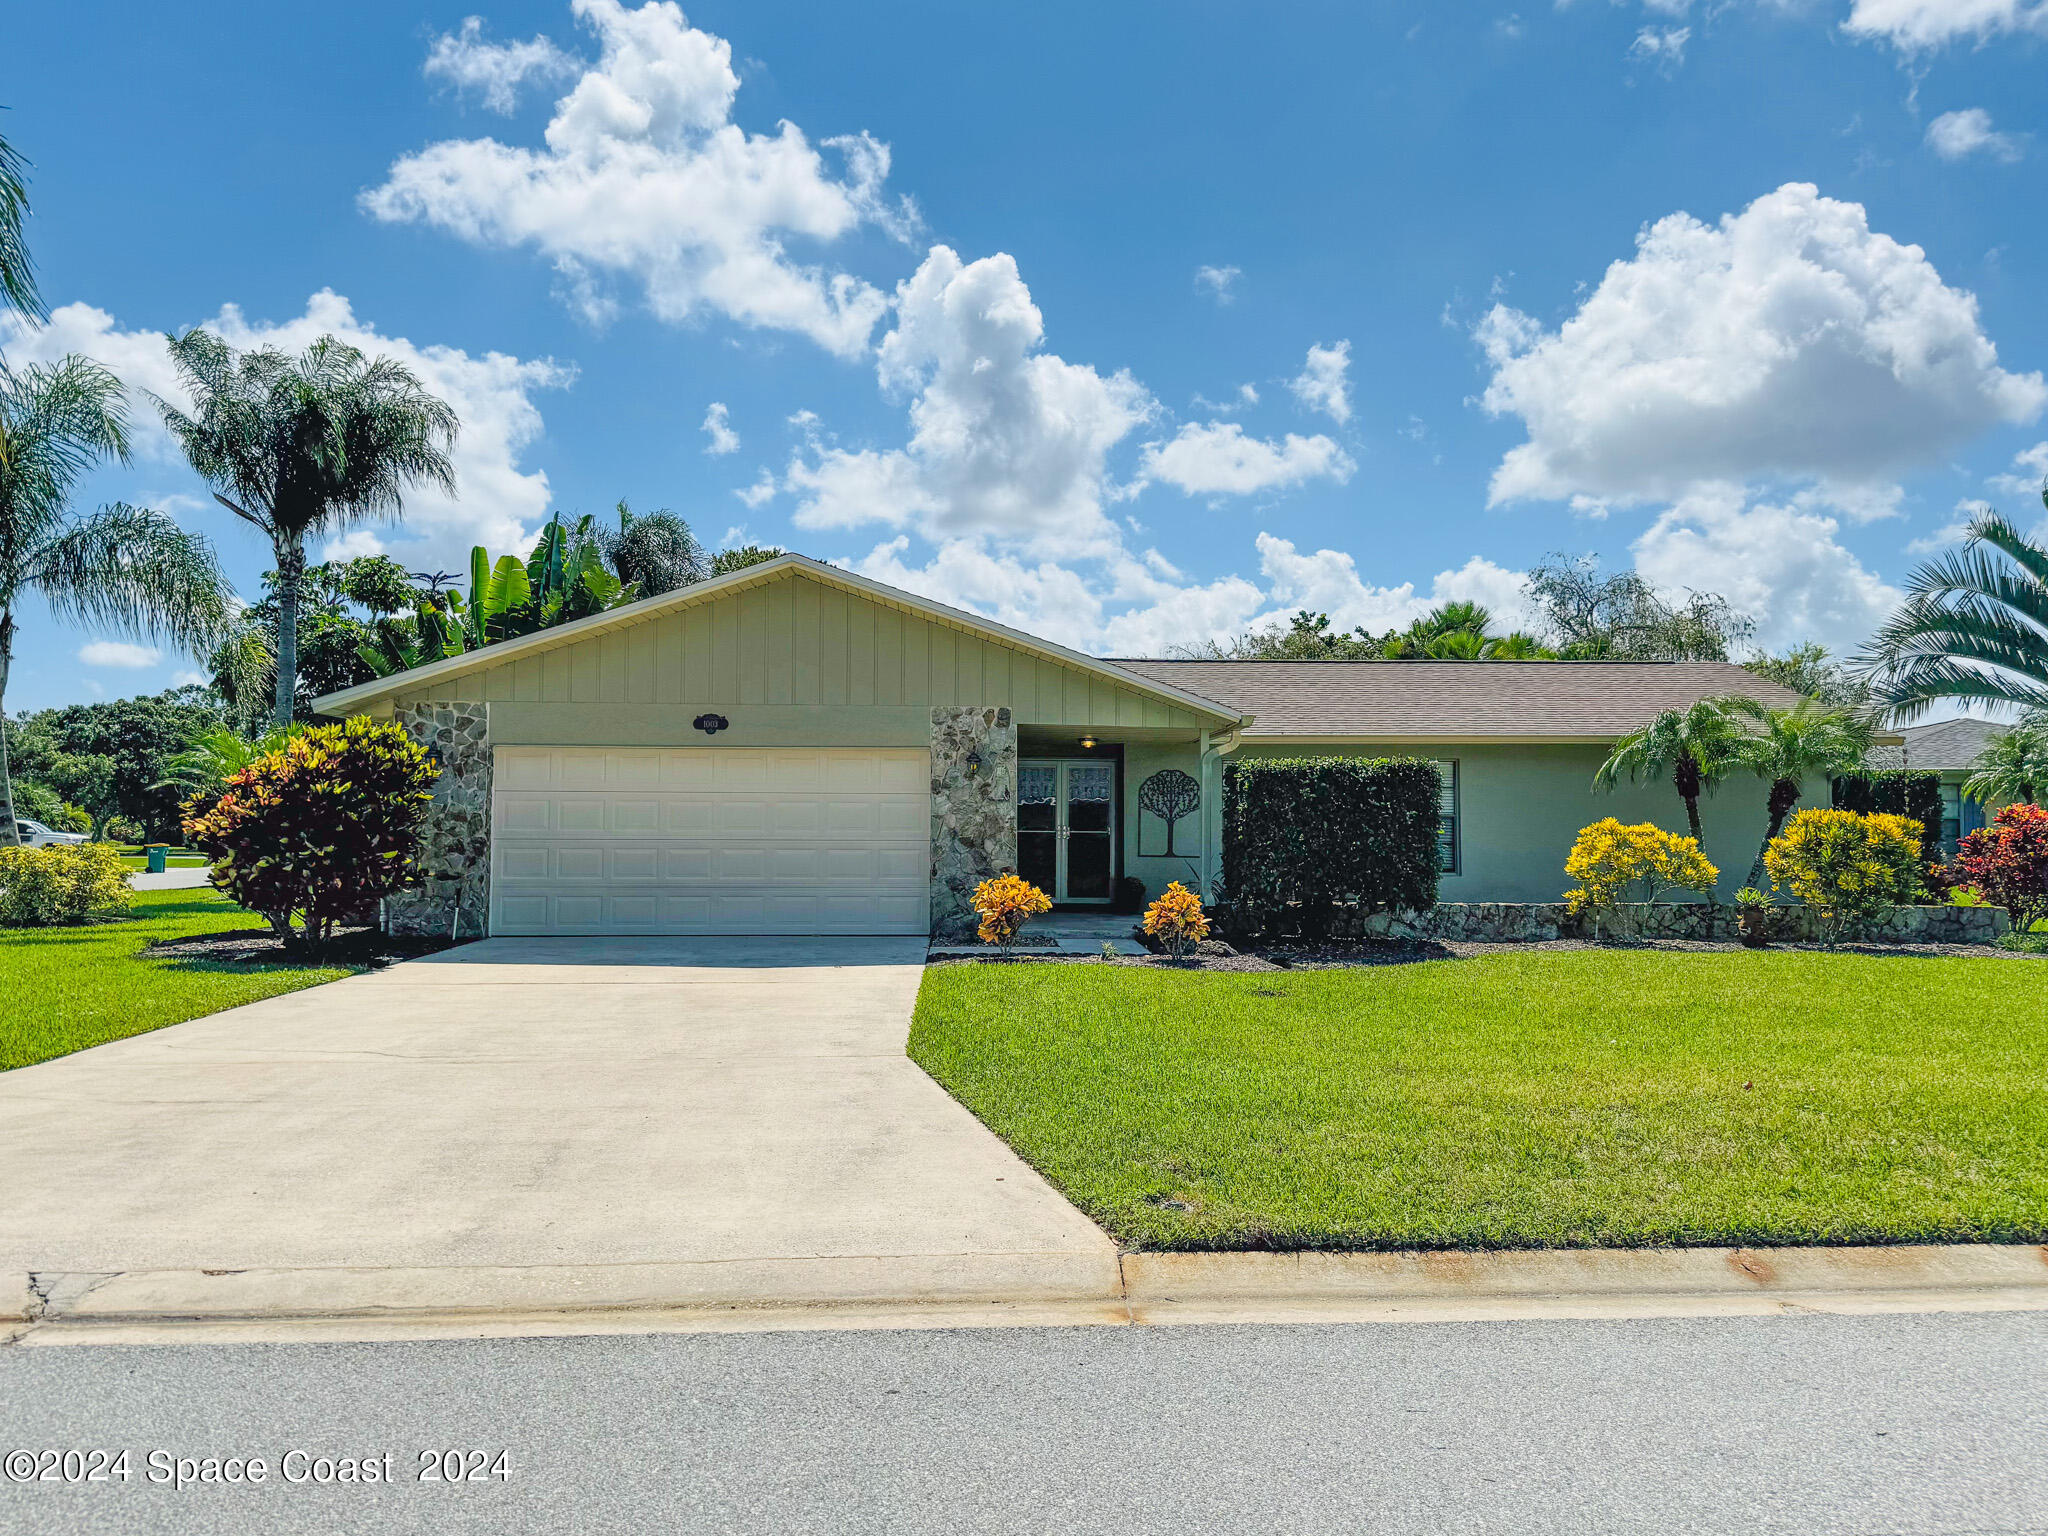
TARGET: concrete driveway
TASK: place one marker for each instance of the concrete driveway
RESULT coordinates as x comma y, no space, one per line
531,1123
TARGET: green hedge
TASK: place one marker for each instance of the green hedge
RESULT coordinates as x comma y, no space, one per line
1303,833
1899,792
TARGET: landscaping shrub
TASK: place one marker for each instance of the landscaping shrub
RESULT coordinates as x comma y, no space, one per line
1177,921
1006,904
1849,867
2007,863
1302,834
1616,864
322,828
40,887
1911,793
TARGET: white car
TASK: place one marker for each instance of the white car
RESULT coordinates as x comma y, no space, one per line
33,834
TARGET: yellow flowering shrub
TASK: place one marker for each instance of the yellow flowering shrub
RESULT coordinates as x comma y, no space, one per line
1176,920
61,884
1006,903
1615,864
1847,866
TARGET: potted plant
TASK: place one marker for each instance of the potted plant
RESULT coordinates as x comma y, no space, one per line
1752,912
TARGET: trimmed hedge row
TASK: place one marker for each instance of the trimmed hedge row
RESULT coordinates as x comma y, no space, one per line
1303,834
1909,792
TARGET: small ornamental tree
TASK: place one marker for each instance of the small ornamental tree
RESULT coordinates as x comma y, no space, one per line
1850,868
1176,920
321,828
2008,862
1616,864
1006,904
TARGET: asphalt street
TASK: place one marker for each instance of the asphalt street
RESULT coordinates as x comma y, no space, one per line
1809,1425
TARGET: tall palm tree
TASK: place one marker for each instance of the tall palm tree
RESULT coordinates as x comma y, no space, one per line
654,552
1697,747
122,568
2014,766
1974,626
306,445
1788,746
17,273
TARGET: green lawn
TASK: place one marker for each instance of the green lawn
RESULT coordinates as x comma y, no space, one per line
1566,1099
63,989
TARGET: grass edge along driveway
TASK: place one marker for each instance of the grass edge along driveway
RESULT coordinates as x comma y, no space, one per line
64,989
1594,1098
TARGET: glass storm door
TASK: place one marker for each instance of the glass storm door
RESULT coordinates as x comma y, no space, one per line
1066,828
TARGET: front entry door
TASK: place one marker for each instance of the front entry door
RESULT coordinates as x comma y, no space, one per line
1066,827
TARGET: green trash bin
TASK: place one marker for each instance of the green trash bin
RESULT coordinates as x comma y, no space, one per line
156,858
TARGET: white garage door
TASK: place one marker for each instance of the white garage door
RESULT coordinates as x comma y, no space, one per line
711,840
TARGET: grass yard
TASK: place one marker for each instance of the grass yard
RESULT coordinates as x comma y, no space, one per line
1594,1098
63,989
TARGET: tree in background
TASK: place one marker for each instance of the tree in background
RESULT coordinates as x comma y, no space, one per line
2014,766
726,561
113,758
1456,631
1590,617
297,446
17,272
1695,747
1974,626
343,606
654,552
1788,746
122,569
1809,669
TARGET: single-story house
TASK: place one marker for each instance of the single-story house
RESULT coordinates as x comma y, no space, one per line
1949,748
792,748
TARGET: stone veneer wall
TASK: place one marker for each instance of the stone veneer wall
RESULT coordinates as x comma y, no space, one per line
1508,922
453,898
974,811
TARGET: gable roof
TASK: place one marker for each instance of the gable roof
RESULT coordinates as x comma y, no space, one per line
1451,701
782,568
1949,744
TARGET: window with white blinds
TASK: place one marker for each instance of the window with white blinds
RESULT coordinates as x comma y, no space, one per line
1447,818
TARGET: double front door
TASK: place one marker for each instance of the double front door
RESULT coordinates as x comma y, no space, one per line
1066,827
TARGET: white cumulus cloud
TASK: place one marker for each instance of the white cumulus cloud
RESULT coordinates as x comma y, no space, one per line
718,427
1913,25
1218,458
497,502
644,176
1218,282
1007,441
1959,135
1787,341
1324,382
1663,47
118,653
494,71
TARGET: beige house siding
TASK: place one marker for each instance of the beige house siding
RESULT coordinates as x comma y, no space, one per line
788,660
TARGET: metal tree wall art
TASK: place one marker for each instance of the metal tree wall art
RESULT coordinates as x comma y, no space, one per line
1169,794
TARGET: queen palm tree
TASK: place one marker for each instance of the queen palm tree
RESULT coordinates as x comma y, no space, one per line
17,274
1788,746
1974,626
2014,766
306,445
125,569
1697,747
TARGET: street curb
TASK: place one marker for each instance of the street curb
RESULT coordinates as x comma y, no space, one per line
1012,1290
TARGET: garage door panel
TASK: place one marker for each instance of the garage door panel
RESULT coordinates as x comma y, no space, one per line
727,840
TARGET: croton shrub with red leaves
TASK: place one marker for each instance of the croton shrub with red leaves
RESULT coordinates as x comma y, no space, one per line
322,828
2008,862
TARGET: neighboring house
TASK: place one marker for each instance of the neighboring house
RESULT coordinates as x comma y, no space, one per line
1949,748
792,748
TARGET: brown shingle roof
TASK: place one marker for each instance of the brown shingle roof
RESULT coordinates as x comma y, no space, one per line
1448,700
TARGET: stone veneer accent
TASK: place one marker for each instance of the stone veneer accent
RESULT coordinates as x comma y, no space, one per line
453,898
1509,922
974,812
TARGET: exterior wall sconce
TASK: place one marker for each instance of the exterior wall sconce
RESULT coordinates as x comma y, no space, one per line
974,762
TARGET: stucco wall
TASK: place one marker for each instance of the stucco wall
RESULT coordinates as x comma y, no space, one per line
1521,808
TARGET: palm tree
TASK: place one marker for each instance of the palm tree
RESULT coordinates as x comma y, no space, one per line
304,445
1787,746
17,274
1697,747
2014,766
654,552
122,568
1974,626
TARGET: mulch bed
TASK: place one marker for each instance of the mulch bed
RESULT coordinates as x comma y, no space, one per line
259,946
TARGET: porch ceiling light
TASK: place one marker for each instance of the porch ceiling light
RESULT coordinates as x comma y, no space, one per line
1087,743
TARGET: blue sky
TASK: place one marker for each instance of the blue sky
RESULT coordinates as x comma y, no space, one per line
1129,325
